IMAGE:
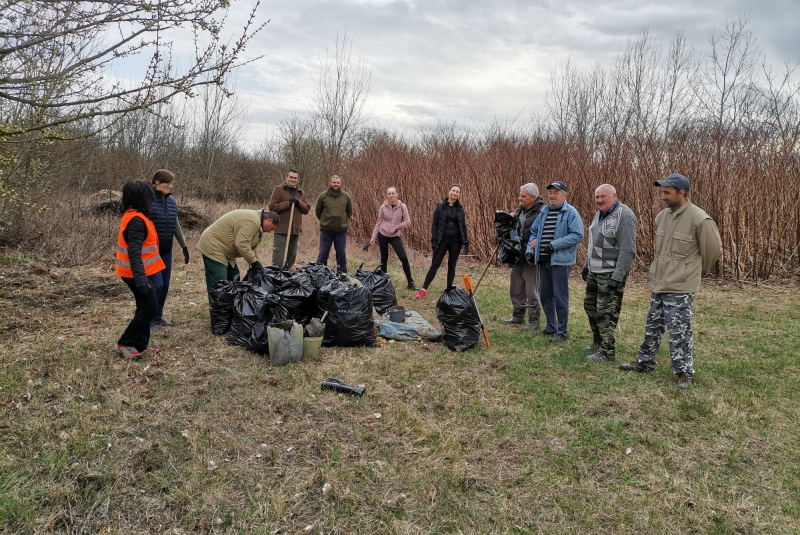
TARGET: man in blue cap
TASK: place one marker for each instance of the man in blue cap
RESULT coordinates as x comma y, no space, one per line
555,235
687,246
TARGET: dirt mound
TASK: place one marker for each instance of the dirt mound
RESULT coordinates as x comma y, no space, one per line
109,202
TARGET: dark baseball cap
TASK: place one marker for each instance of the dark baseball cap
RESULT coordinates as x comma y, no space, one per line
557,185
674,180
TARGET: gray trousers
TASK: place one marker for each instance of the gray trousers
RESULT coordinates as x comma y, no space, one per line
524,290
279,246
673,312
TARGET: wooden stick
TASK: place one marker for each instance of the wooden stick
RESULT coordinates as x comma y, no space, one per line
491,259
288,237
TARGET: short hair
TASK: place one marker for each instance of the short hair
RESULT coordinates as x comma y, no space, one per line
164,176
276,219
611,188
291,171
531,188
137,194
332,177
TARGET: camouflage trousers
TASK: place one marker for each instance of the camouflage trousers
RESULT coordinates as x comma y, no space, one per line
673,312
602,306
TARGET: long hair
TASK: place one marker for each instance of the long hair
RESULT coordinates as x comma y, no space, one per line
137,194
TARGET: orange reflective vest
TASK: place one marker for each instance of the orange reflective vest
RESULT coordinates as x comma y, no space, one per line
150,257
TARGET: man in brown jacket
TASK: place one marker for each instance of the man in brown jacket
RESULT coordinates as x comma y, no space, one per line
284,196
687,246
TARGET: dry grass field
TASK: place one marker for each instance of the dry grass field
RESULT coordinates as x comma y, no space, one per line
525,437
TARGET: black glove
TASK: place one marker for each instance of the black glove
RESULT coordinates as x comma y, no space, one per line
143,286
612,284
466,248
186,255
585,274
256,265
530,258
366,247
546,249
295,201
434,246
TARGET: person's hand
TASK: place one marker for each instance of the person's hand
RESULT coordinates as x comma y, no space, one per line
532,244
434,245
256,265
143,286
585,274
186,255
466,248
612,284
366,247
530,258
547,249
295,201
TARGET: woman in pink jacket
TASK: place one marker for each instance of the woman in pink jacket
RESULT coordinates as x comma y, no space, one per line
392,218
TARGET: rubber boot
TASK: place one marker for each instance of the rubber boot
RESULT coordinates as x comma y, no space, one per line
517,317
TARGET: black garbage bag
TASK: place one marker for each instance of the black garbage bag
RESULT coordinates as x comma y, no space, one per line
220,301
503,225
299,296
259,341
260,279
320,274
323,295
461,326
274,312
248,308
277,276
511,251
380,285
349,322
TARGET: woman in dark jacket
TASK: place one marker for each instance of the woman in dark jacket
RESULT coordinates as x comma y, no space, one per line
164,215
138,262
448,234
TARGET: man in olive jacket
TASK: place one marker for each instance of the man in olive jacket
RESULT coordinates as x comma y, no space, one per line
334,210
235,234
687,246
284,196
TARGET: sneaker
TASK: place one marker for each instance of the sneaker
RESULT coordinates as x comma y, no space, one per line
600,357
153,329
559,337
591,348
684,381
422,293
152,351
161,322
128,352
637,366
546,334
118,349
412,286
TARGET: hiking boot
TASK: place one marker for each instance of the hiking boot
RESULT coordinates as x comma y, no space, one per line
592,348
531,326
161,322
559,337
684,381
601,357
412,286
637,366
422,293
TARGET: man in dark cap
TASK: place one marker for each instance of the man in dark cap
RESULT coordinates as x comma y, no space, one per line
555,235
687,246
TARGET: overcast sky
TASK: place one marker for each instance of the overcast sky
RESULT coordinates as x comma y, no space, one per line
472,61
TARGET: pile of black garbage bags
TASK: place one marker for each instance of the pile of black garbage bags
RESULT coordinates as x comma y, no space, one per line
243,309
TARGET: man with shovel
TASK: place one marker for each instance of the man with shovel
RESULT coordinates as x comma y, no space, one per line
290,203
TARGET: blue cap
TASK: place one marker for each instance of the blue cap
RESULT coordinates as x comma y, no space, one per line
674,180
558,185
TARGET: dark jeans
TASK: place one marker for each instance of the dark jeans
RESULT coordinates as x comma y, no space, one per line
138,332
216,272
555,297
397,245
161,283
339,242
454,249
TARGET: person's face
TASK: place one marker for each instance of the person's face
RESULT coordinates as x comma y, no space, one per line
292,179
454,193
672,197
556,196
604,199
164,187
268,225
336,184
391,196
525,199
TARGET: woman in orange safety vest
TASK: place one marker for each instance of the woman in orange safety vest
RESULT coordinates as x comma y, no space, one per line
138,261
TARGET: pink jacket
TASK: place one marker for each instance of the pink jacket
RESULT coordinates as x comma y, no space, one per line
391,220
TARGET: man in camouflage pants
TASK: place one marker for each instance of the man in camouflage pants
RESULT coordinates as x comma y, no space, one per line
610,255
687,246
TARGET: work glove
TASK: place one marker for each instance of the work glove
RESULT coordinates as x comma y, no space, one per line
143,285
256,265
546,249
186,255
366,247
585,274
530,258
466,248
612,284
434,246
295,201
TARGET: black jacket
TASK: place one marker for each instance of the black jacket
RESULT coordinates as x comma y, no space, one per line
135,234
441,215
